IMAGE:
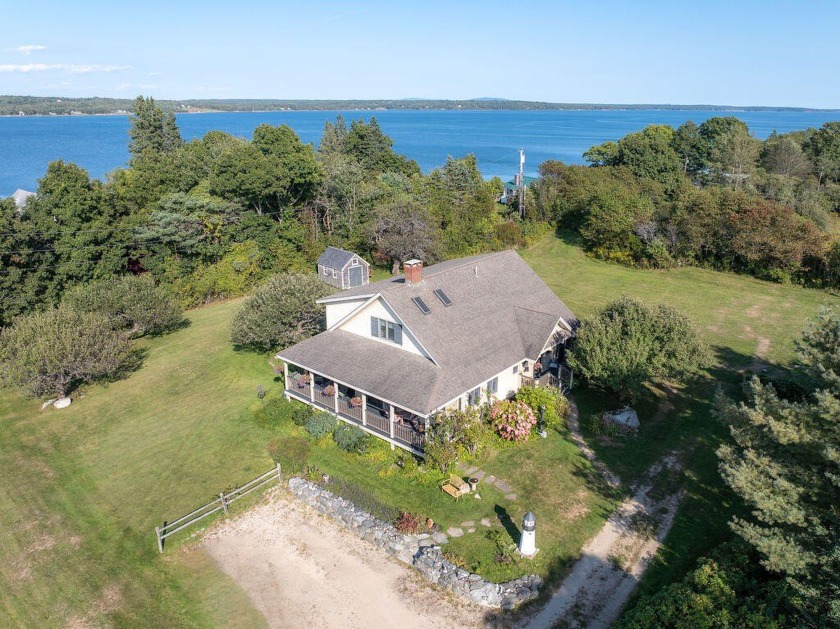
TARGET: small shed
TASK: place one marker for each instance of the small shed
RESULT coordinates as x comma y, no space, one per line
343,269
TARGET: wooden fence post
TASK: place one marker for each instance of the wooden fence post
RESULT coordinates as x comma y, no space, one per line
160,541
224,502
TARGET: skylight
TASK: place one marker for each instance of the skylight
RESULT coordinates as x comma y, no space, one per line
444,299
422,305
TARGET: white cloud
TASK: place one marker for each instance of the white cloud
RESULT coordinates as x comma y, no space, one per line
29,48
72,68
137,86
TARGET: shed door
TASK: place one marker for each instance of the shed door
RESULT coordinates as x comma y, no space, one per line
356,275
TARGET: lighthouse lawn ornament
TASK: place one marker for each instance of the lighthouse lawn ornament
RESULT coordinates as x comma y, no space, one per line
528,540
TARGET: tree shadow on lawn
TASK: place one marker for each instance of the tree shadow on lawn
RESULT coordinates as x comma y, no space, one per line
507,522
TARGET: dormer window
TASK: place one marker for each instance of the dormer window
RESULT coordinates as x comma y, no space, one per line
384,329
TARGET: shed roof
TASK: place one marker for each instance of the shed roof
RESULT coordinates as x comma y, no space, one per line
336,258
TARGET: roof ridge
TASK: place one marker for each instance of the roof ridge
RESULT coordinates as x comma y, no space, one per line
467,261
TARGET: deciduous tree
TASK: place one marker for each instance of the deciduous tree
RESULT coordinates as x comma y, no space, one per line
52,351
281,312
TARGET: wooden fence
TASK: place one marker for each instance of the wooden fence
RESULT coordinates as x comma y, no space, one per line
220,504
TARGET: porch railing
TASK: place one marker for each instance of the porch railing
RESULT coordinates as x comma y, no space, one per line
323,398
376,421
348,410
409,435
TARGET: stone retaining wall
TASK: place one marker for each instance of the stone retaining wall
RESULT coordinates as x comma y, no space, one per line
420,551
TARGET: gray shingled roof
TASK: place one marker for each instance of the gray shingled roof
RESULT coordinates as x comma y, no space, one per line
501,313
335,258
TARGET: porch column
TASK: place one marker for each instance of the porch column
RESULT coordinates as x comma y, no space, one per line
311,386
364,409
335,397
285,375
391,406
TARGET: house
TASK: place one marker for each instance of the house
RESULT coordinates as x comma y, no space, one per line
455,334
512,188
343,269
20,197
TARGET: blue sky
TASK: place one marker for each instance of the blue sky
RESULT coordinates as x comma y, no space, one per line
733,53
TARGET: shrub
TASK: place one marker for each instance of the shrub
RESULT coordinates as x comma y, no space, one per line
291,453
321,424
301,414
408,523
50,352
441,454
629,343
512,420
363,499
281,312
276,411
351,439
131,303
556,405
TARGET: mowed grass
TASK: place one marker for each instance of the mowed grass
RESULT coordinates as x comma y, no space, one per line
748,323
82,488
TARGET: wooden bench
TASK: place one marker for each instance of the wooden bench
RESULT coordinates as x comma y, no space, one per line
456,486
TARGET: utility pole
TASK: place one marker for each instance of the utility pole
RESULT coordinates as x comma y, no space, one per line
522,183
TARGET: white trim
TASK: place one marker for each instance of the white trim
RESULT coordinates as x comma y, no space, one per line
406,328
352,386
333,298
352,312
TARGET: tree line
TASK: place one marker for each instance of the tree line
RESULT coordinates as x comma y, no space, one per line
212,217
709,195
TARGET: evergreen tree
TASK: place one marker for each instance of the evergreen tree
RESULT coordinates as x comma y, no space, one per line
151,129
785,464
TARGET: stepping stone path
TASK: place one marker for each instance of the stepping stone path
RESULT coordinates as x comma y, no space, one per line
511,497
471,530
467,524
472,471
454,531
506,489
486,522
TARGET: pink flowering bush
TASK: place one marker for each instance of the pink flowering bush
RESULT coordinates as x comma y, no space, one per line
512,420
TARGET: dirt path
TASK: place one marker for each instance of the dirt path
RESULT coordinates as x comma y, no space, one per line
612,562
573,422
301,570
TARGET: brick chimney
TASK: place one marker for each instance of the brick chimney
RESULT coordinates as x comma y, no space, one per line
413,270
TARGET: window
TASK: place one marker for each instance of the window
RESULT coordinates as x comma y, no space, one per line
444,299
388,330
474,397
355,262
421,304
493,386
334,274
326,271
524,366
516,369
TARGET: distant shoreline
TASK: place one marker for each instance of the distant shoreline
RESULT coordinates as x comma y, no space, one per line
44,106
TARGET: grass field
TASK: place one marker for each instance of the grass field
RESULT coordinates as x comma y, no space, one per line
81,489
739,317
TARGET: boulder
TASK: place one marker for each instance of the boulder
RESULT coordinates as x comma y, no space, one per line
626,418
63,402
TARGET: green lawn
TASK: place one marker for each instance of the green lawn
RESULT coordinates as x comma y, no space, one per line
82,488
737,316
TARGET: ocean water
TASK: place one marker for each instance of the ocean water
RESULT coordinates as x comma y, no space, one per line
99,143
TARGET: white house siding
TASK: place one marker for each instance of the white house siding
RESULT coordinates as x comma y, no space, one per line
508,384
359,324
336,311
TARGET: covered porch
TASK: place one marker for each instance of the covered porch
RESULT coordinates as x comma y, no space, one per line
550,370
399,426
